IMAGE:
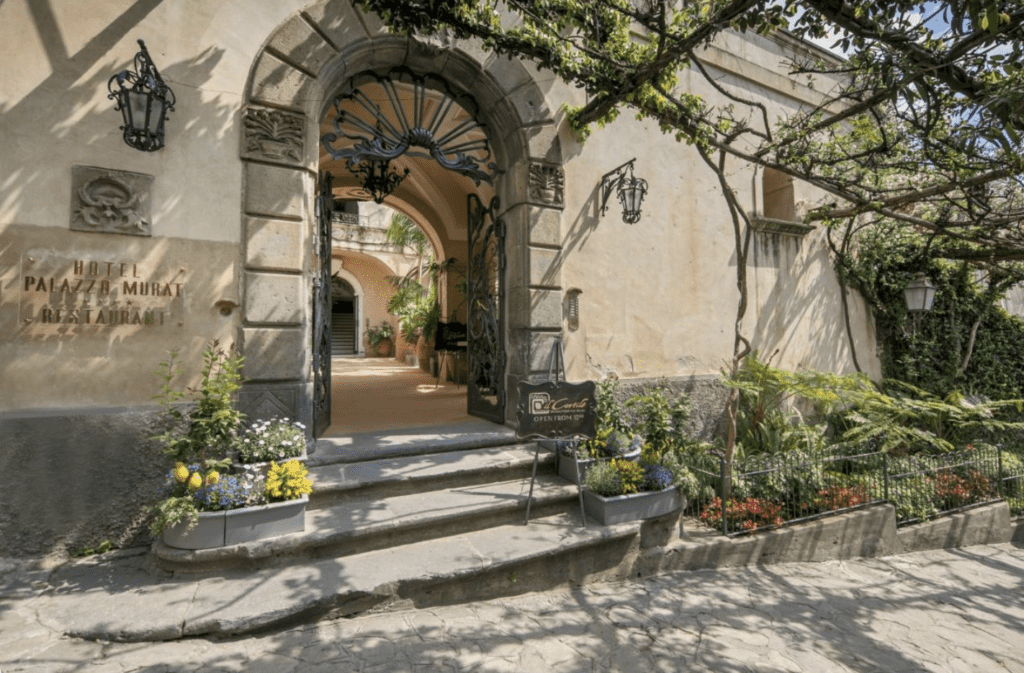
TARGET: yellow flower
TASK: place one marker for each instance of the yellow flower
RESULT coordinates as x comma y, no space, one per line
287,481
212,478
195,481
180,473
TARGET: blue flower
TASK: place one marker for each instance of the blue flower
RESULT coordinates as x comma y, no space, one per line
657,478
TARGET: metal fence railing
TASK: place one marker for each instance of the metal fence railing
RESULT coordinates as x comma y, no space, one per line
771,491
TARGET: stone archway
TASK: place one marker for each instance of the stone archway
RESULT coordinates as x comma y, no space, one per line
290,86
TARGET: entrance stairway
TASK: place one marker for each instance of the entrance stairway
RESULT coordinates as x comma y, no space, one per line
343,334
441,524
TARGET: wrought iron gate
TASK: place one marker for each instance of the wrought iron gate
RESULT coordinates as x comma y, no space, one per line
486,320
324,208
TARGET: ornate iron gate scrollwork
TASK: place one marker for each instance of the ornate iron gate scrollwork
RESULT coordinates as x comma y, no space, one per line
486,320
324,207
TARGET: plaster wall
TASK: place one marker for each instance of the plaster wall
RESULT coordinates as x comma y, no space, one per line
54,110
659,298
75,348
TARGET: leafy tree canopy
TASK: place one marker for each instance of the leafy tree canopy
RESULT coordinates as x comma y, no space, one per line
924,127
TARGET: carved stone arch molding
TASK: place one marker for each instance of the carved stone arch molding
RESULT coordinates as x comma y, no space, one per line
291,84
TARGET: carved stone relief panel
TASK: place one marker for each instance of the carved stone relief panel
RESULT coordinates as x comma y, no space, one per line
110,202
547,185
273,135
259,401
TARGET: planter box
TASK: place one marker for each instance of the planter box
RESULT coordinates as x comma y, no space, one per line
566,469
632,507
234,526
259,523
207,533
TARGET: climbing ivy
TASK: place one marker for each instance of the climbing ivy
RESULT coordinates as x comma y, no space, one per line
930,350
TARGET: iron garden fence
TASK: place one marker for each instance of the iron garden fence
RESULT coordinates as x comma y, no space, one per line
778,490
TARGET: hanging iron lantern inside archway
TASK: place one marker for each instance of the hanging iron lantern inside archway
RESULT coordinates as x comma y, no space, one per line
143,100
378,178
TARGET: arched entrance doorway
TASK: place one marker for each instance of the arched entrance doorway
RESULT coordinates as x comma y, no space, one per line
304,65
402,138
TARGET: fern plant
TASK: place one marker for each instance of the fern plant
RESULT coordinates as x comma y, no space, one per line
769,420
919,421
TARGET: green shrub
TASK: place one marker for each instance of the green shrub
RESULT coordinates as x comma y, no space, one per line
657,419
914,498
603,479
615,477
204,431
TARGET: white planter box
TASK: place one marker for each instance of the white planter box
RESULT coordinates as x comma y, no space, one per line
259,523
632,507
234,526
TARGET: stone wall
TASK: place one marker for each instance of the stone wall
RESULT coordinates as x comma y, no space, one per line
92,486
706,396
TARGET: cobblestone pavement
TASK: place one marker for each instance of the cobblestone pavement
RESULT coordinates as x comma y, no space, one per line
953,610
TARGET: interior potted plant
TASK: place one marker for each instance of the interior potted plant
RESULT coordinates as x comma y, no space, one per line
621,490
199,495
381,339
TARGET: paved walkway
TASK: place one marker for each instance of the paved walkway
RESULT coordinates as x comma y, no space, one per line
955,610
382,393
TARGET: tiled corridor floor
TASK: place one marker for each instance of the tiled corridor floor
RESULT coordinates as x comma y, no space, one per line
381,393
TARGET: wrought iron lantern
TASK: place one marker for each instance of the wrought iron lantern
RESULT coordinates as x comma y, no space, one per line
920,294
631,191
379,178
143,100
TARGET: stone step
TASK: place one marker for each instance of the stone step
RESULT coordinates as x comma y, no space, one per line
503,561
366,522
376,445
426,472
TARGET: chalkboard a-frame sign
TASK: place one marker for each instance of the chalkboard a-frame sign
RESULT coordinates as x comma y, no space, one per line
557,410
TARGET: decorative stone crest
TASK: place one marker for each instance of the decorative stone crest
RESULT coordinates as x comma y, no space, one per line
273,135
547,185
110,202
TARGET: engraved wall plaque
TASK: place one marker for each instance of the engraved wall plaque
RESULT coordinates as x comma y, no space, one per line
82,296
110,202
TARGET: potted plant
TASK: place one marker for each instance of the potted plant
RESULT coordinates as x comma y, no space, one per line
202,505
621,490
206,510
381,339
608,444
201,422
